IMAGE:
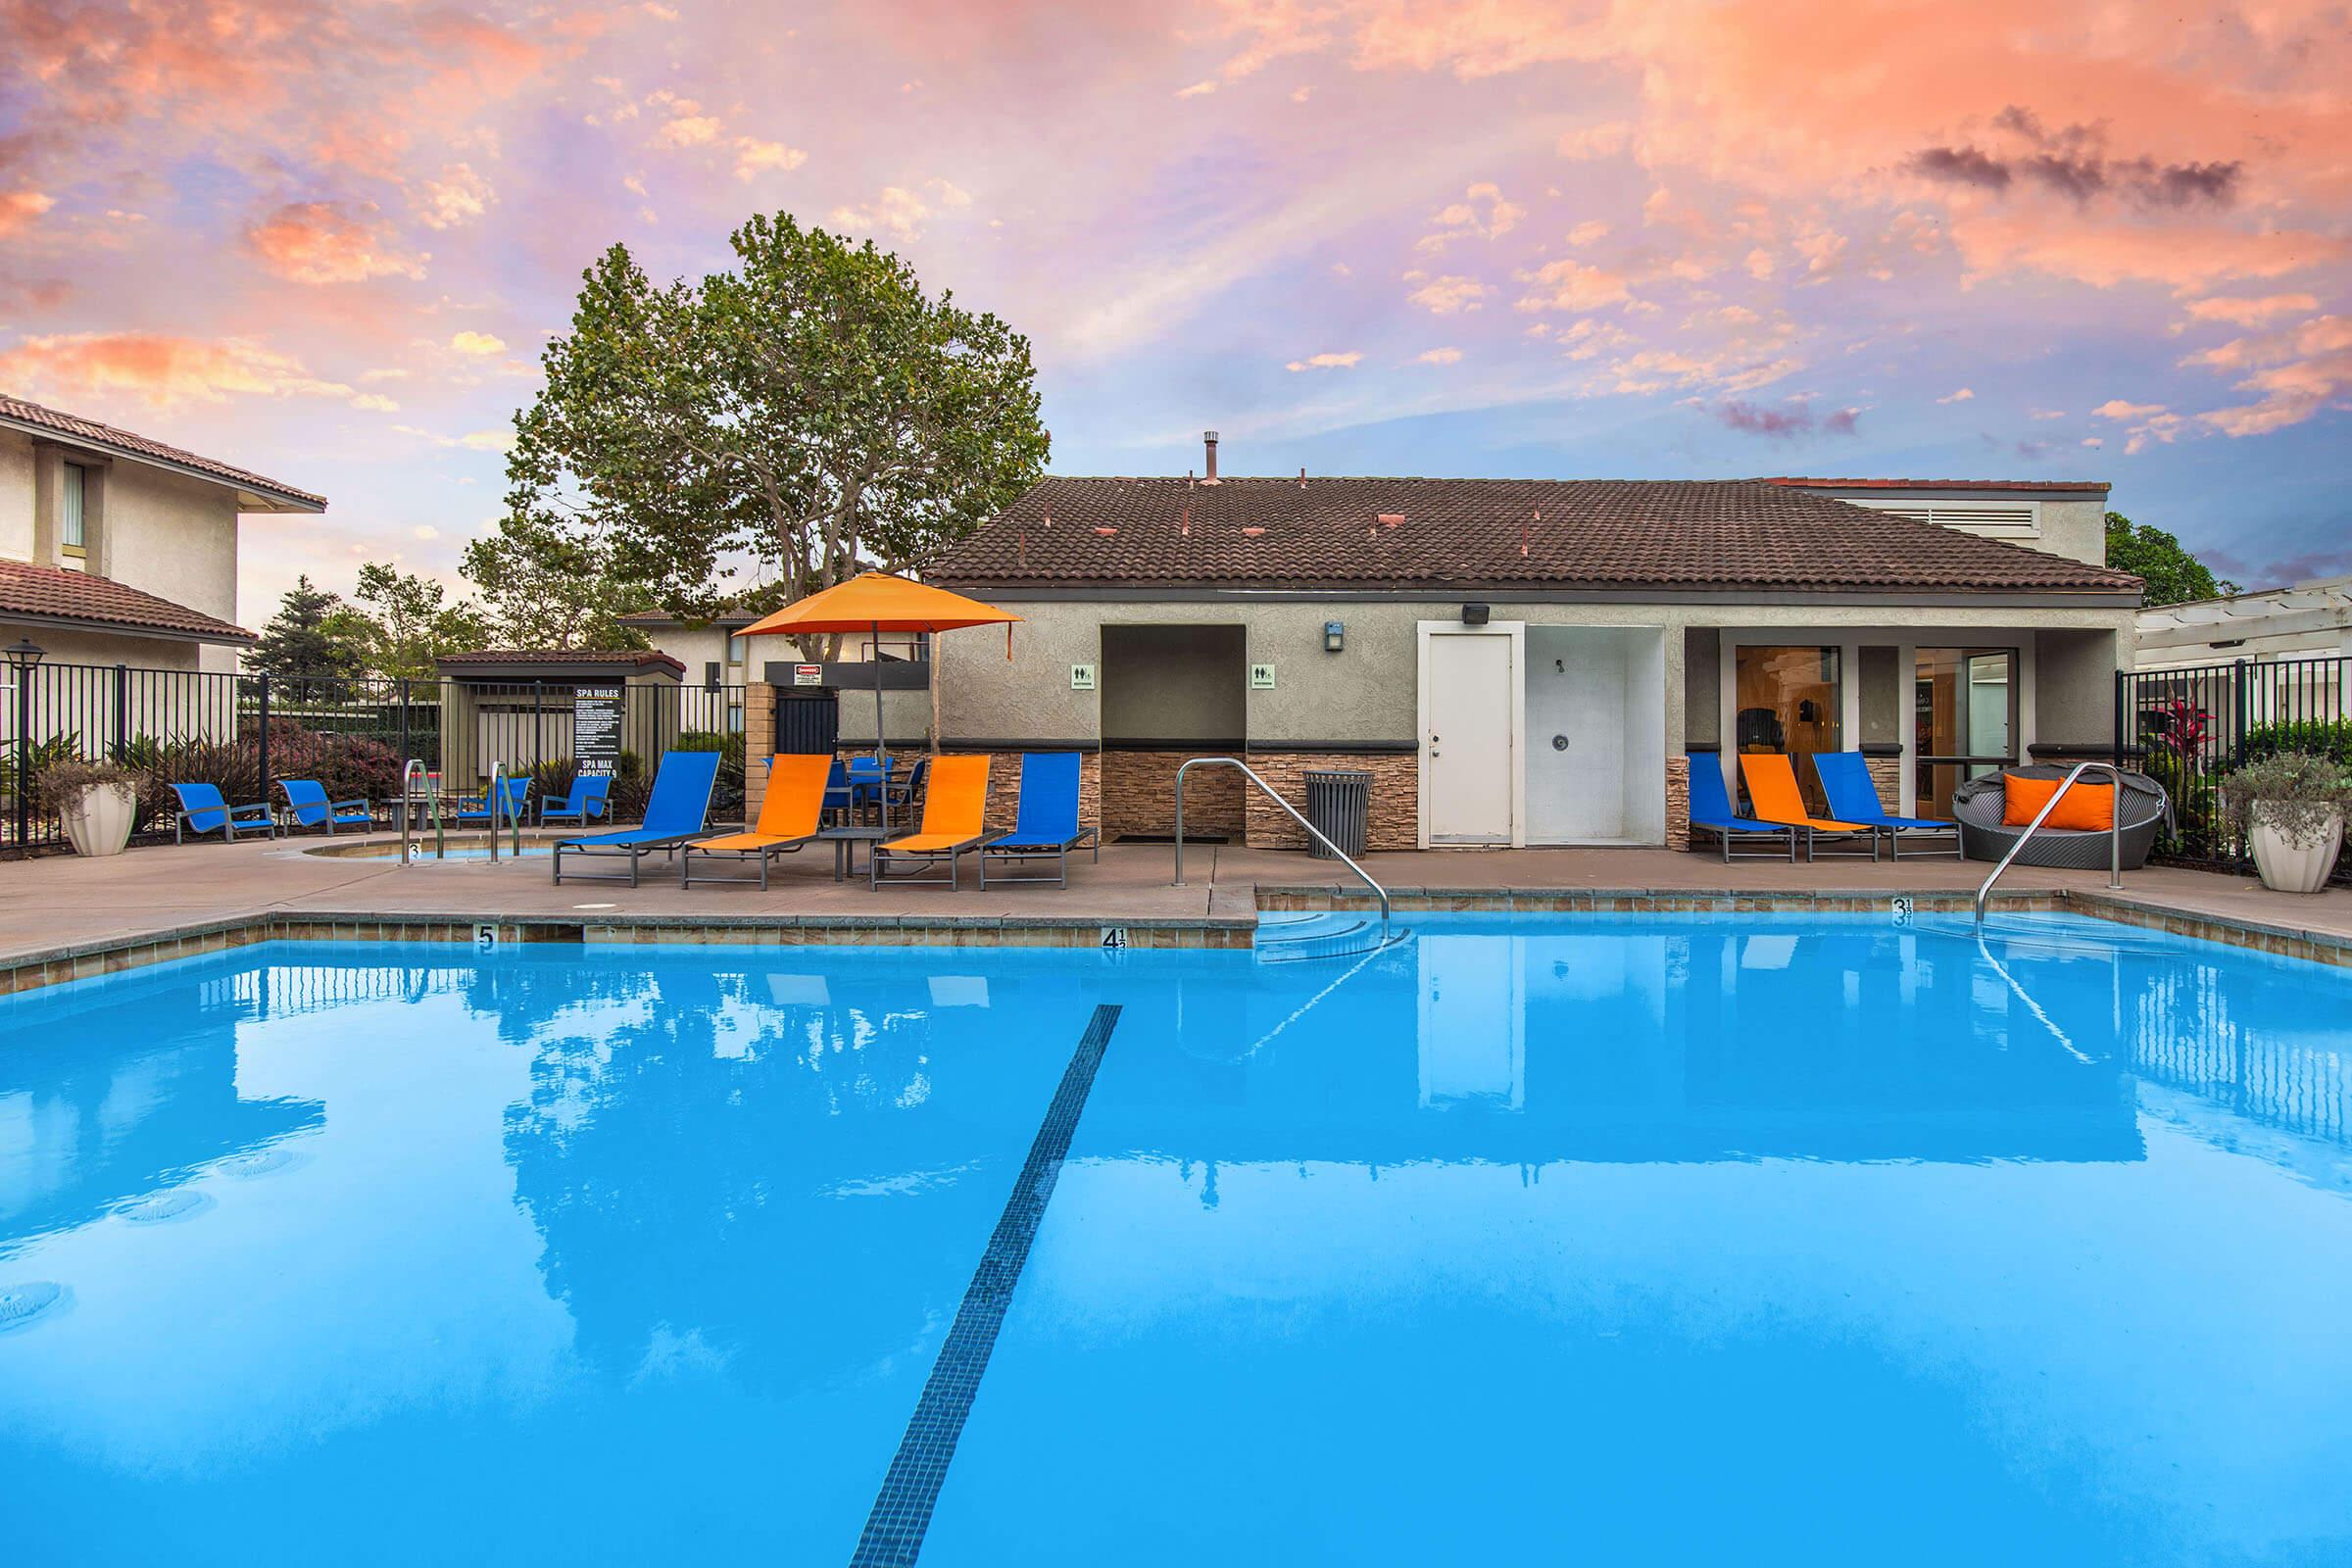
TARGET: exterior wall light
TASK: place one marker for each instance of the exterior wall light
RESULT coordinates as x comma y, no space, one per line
1335,636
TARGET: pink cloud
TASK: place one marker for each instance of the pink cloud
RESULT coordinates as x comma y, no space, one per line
326,242
157,368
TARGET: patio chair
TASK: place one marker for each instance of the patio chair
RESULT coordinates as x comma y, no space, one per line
1986,833
203,811
954,812
1712,813
1845,780
1772,790
1047,828
513,804
788,818
675,815
306,803
838,793
589,797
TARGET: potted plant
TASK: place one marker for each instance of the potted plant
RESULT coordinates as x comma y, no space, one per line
96,801
2291,809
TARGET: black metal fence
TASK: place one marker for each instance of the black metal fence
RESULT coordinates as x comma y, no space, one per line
2188,728
244,732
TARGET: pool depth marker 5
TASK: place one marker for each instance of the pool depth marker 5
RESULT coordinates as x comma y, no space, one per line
902,1512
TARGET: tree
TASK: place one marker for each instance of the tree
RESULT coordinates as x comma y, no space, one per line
412,624
546,583
808,412
306,637
2173,576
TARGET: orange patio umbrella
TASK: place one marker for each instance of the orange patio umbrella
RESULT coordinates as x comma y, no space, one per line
876,603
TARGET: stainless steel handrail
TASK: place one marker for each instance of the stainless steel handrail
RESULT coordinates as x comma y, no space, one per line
497,798
1244,768
2115,831
413,768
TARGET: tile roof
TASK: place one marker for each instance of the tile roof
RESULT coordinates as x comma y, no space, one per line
2089,487
617,657
105,437
1667,534
51,593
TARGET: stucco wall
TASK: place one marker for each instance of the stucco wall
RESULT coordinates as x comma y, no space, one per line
2074,680
1174,683
1702,647
173,538
1883,690
2075,529
15,496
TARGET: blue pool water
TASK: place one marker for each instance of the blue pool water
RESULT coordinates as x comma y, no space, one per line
1723,1240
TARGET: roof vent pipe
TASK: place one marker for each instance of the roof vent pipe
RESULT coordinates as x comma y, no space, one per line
1209,439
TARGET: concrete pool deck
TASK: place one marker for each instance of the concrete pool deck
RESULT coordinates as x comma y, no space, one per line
62,916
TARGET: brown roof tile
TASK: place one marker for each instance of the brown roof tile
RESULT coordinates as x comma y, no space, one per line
89,432
51,593
1665,534
2091,487
617,657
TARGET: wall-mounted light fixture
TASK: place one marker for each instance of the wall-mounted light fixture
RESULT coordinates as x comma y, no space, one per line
1335,636
1474,615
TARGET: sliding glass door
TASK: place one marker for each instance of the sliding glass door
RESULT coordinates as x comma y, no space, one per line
1787,699
1965,717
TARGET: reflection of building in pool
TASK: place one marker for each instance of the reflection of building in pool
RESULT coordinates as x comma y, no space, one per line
1626,1047
692,1150
2184,1035
116,1116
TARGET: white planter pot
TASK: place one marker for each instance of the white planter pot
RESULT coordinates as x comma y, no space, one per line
2287,867
98,820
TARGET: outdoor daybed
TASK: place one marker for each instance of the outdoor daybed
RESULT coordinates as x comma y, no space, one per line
1978,804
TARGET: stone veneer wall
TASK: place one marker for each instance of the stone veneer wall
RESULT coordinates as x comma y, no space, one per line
1678,801
758,740
1396,817
1138,794
1887,777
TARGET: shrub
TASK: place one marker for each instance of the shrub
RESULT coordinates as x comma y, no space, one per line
2300,795
59,782
2329,738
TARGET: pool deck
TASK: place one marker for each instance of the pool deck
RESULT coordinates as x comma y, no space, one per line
62,916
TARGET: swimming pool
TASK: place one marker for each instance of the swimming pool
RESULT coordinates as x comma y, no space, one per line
1717,1239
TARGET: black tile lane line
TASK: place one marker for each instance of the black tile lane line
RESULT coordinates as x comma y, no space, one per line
902,1513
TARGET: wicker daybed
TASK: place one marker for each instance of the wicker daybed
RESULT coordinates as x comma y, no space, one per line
1978,804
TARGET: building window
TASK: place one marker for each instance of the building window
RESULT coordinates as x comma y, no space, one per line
735,649
1789,701
1964,715
70,536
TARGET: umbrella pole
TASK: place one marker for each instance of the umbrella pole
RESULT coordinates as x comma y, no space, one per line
873,655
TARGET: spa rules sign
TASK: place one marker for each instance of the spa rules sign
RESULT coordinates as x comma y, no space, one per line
596,730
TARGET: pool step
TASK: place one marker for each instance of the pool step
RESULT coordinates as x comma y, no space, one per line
2041,934
1288,937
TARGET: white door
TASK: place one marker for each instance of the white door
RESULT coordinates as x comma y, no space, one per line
1469,772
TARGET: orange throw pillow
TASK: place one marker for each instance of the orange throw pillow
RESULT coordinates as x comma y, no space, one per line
2085,807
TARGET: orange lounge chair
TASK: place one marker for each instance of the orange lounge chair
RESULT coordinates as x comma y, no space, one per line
788,821
1772,791
955,810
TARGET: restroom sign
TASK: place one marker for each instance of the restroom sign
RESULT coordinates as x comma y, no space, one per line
1082,677
1262,677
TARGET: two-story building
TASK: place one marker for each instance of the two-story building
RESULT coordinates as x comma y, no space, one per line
118,549
1533,661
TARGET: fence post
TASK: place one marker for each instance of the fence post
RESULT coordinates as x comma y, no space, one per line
402,681
261,748
2237,714
121,713
538,723
2120,679
24,674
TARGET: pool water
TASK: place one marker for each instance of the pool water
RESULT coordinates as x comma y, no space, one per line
1683,1239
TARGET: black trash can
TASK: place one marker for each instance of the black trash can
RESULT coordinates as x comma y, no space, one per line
1339,803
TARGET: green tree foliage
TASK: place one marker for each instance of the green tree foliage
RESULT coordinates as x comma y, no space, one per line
548,582
307,636
806,415
411,622
2174,576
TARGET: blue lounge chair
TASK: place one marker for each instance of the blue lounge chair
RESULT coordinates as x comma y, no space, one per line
588,798
513,804
1712,813
1845,783
674,817
203,811
1047,828
837,794
306,800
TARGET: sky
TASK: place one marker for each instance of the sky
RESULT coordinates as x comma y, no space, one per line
1525,238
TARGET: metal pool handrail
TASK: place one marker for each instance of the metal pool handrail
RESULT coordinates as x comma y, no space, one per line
413,768
1244,768
2114,832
